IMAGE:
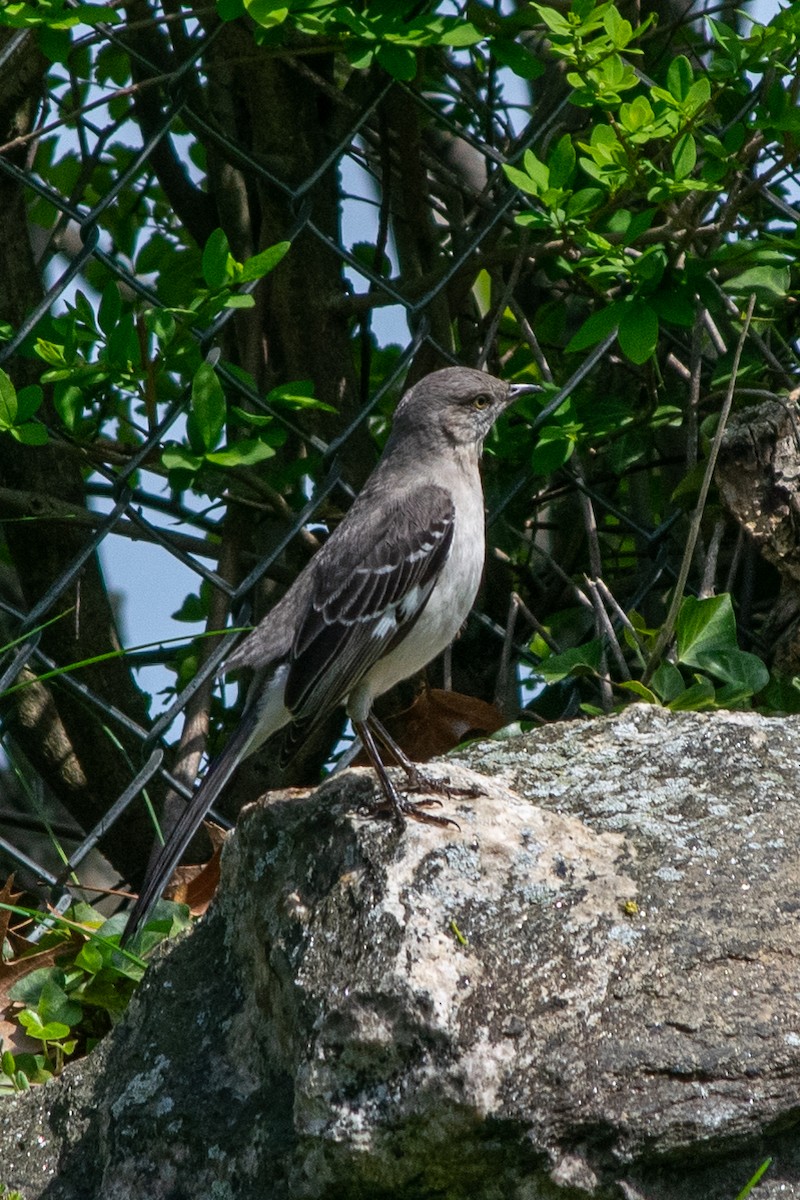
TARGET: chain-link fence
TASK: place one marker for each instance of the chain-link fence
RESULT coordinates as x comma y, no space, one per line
130,146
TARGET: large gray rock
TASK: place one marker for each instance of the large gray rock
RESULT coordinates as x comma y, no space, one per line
589,989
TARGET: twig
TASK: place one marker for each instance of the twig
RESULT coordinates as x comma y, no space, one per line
668,628
710,570
606,627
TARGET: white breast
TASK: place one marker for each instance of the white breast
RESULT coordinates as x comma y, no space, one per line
446,611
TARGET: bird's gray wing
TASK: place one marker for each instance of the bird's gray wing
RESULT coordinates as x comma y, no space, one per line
368,592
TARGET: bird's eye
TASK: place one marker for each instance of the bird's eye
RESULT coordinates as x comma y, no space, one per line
482,400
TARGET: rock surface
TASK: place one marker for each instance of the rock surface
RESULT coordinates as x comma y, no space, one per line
589,989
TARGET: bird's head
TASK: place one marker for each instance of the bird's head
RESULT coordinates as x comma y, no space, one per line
457,403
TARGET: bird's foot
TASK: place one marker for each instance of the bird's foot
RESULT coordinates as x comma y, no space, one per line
401,808
418,781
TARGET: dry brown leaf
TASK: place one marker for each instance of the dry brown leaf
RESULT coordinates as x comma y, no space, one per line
438,721
7,896
197,885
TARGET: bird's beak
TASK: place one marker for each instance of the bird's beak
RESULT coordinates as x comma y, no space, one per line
515,390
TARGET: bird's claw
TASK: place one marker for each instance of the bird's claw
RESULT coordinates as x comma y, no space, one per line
400,808
426,783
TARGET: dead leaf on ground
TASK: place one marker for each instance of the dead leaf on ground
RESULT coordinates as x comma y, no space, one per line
439,721
197,885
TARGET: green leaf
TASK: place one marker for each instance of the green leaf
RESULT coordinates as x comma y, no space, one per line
699,95
208,405
680,77
667,682
68,403
703,625
553,448
28,989
464,33
110,308
584,201
261,264
699,696
215,260
267,13
517,58
638,689
522,181
596,327
89,958
8,402
638,331
554,20
578,660
257,420
30,434
179,458
52,1031
55,1005
245,453
161,323
684,156
298,394
561,162
29,401
536,169
768,283
397,61
618,29
745,671
243,300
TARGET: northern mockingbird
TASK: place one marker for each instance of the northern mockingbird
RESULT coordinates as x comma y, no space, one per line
386,593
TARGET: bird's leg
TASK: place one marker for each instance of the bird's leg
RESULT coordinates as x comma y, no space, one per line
418,781
400,807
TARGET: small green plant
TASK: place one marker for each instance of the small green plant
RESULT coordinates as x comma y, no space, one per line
5,1194
748,1187
79,984
708,670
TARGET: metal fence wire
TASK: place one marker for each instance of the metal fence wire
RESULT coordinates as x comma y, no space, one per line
98,150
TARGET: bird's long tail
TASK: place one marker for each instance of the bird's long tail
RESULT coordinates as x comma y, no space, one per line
163,866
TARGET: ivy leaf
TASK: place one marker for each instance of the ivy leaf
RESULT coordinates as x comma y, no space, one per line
667,682
744,671
55,1005
703,625
700,695
578,660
